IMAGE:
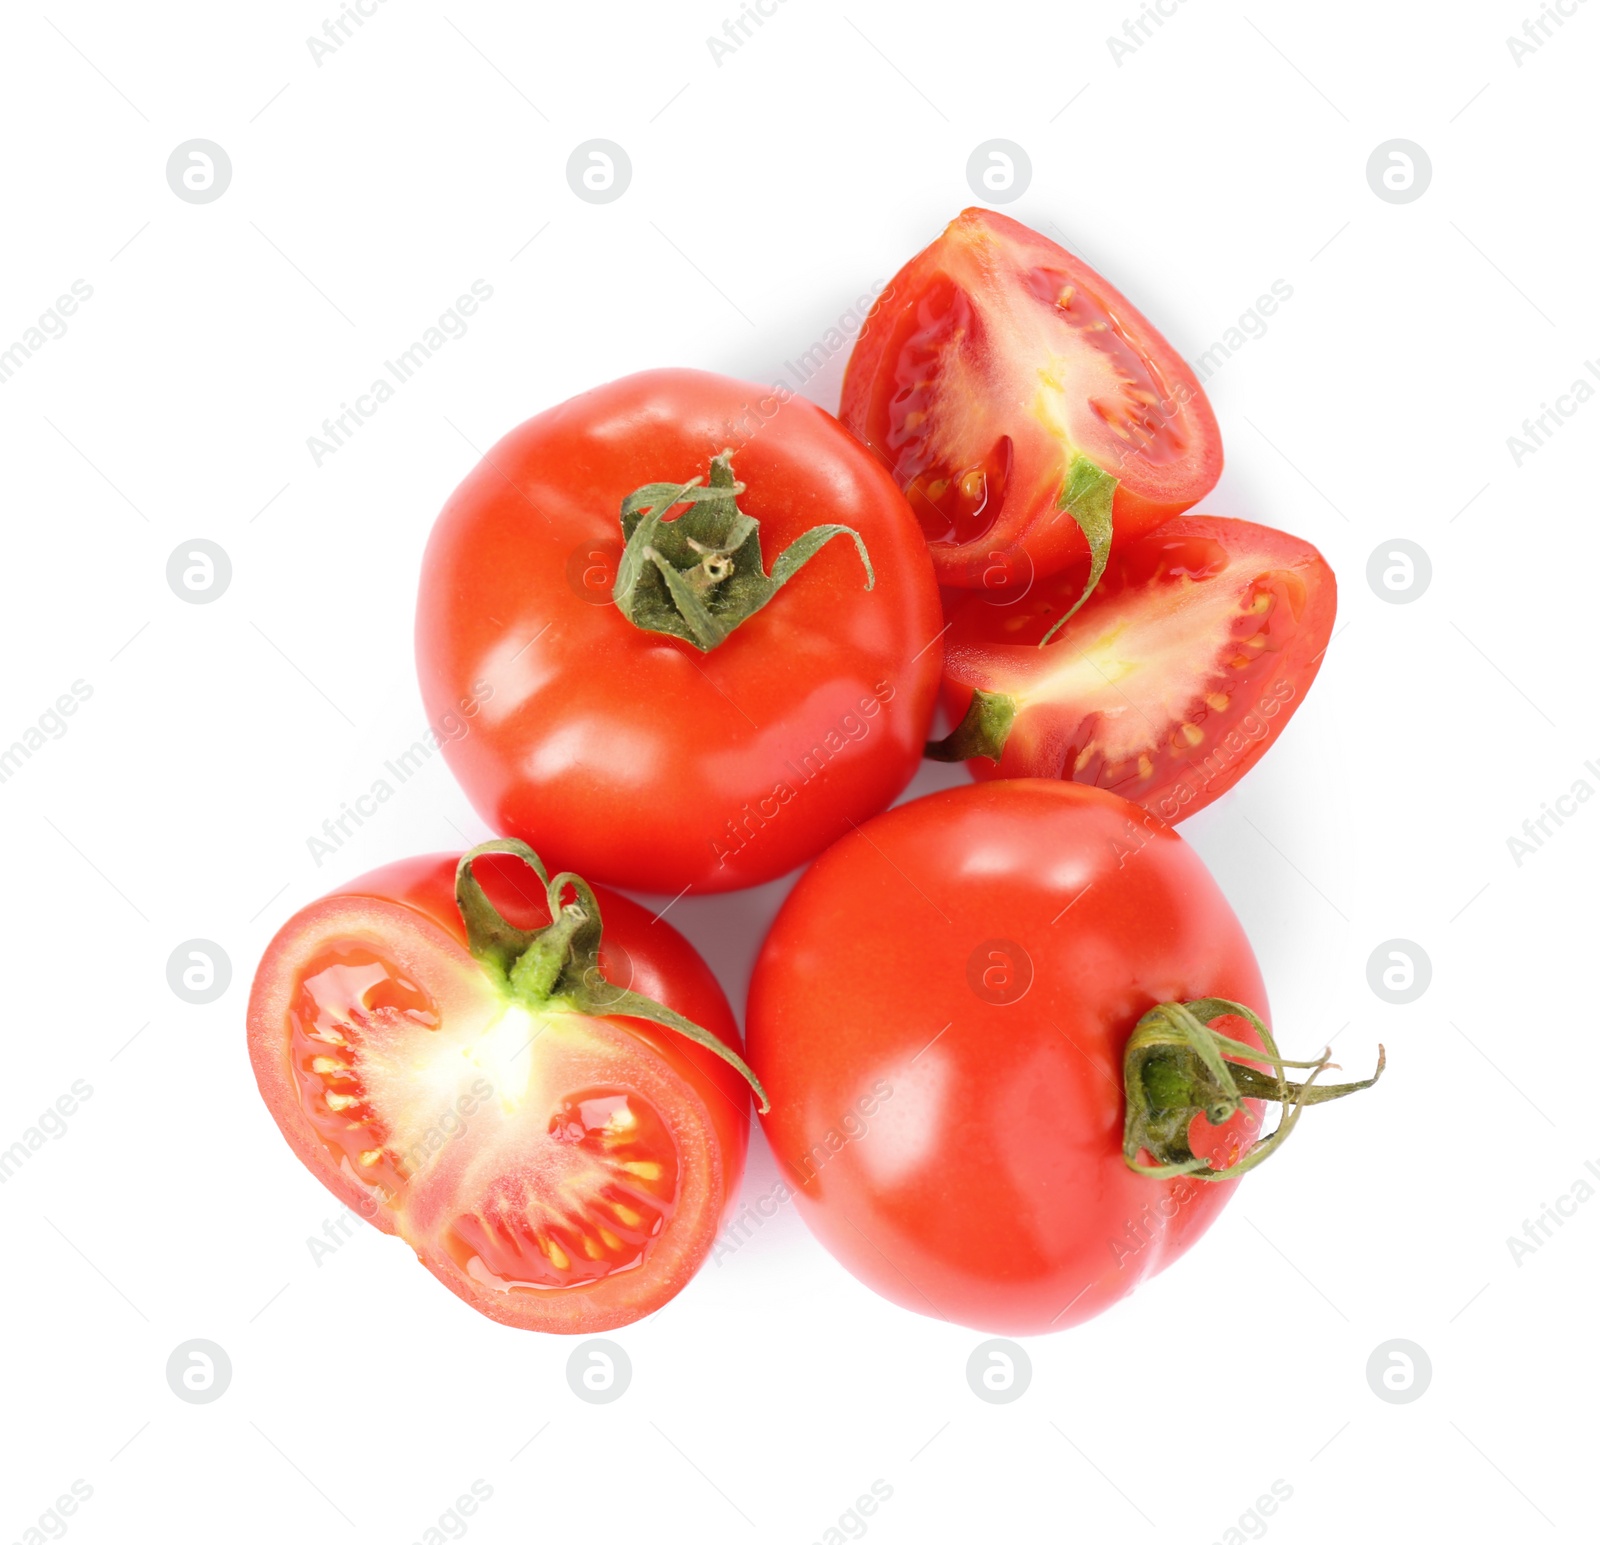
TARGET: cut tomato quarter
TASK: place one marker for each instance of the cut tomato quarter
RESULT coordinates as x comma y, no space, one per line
1198,645
1027,409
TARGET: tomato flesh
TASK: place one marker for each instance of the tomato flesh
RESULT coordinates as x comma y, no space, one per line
557,1169
995,360
1169,684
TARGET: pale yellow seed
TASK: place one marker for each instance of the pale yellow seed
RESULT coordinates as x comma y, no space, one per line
1083,758
558,1257
342,1101
610,1240
370,1156
645,1169
1218,700
1262,603
591,1249
627,1215
1193,734
329,1065
1146,767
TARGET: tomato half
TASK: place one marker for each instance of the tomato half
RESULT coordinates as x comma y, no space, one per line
1195,649
699,728
557,1166
949,1016
1026,407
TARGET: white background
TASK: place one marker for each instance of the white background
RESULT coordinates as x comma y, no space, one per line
768,192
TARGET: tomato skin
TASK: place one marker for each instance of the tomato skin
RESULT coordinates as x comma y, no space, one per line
630,756
1237,685
637,951
988,1187
982,266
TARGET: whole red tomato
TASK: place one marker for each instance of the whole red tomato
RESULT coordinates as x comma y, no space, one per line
714,702
554,1121
953,1016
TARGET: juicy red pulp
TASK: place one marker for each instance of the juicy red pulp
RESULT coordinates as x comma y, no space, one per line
582,1199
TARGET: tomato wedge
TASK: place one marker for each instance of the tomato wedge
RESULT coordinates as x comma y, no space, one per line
1196,648
1025,406
554,1123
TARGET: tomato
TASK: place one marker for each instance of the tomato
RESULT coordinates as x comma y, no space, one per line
556,1132
1167,687
977,1017
1027,409
712,727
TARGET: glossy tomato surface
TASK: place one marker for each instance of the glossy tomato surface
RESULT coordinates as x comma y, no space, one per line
631,756
1171,681
555,1170
995,369
939,1016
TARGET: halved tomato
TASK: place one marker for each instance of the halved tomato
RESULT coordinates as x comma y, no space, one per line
1167,687
1024,405
555,1124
